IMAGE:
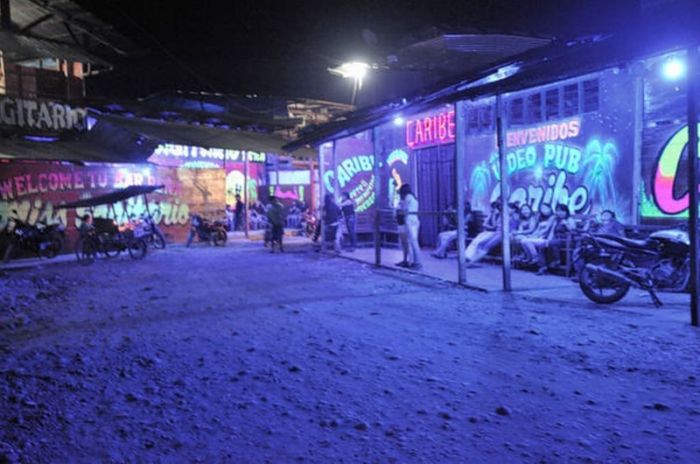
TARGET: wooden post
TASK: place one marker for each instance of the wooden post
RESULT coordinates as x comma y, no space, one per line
505,193
378,155
692,58
246,225
460,148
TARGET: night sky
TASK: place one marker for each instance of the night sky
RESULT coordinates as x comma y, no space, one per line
283,48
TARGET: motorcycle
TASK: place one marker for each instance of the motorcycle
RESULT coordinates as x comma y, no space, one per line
108,240
148,230
46,240
611,265
309,222
209,232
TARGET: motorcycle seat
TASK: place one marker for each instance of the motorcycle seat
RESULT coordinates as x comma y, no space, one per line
626,241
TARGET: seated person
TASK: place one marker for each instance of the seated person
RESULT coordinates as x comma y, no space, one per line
447,237
86,227
538,237
482,243
609,224
562,226
527,223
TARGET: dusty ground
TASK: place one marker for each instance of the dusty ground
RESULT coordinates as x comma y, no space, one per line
237,355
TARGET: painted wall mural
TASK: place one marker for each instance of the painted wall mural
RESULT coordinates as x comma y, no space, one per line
353,172
36,189
578,161
665,184
584,160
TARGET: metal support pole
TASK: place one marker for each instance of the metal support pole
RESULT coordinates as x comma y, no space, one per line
312,187
505,193
246,220
460,147
693,182
334,168
378,155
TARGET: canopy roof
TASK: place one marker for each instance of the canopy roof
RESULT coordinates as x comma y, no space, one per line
113,197
203,136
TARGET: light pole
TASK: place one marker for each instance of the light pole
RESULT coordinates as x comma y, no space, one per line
355,70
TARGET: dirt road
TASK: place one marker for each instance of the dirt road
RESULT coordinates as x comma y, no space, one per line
237,355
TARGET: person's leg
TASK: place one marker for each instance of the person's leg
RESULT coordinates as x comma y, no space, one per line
403,238
351,230
337,240
542,256
190,237
415,247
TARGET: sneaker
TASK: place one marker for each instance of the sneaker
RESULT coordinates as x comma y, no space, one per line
403,264
416,266
542,271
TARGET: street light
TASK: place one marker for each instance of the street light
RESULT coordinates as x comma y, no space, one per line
355,70
673,69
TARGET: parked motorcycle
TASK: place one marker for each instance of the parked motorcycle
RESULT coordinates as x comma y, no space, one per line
610,265
148,230
210,232
45,240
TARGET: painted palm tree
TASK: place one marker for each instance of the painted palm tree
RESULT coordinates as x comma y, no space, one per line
479,184
599,163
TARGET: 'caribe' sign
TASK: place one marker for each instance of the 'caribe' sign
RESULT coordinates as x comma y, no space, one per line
667,170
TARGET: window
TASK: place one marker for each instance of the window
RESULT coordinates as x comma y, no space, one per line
571,100
473,118
486,117
516,111
551,100
591,95
534,108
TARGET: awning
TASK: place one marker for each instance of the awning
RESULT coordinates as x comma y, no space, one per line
202,136
113,197
105,143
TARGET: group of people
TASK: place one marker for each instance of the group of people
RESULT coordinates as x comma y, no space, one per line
333,215
539,238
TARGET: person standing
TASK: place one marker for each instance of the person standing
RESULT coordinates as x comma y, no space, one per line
407,217
331,222
348,208
238,215
275,216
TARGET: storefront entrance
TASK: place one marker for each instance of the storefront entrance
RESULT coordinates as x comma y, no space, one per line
435,187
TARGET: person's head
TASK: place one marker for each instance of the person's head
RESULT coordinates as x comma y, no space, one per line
404,191
525,211
87,219
562,211
607,216
467,207
545,210
328,199
496,205
514,208
238,196
346,196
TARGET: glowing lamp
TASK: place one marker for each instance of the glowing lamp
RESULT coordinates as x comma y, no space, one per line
353,70
673,69
399,121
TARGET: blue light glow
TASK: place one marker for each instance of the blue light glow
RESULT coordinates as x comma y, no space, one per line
399,121
673,69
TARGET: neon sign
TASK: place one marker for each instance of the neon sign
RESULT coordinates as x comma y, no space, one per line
568,129
170,150
666,172
435,129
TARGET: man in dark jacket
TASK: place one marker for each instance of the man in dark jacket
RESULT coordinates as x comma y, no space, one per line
275,216
238,213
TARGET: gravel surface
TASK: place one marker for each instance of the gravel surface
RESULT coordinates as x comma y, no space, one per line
239,355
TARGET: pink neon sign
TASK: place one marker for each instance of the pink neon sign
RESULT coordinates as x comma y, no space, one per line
434,129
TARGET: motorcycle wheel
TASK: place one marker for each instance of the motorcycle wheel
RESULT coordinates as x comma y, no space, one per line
110,247
85,251
220,238
137,248
158,240
8,252
53,248
601,289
